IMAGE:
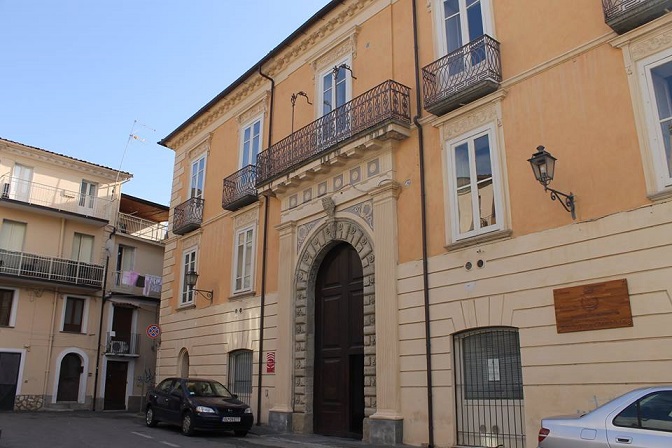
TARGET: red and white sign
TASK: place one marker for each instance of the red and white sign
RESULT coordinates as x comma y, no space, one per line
153,331
270,362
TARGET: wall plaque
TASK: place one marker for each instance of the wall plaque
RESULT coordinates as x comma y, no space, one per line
593,307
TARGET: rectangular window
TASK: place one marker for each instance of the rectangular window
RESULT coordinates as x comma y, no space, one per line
475,192
251,143
659,74
197,178
7,314
244,258
82,247
189,264
12,235
73,317
87,194
21,185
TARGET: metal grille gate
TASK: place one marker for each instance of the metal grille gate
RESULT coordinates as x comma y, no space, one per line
240,374
489,388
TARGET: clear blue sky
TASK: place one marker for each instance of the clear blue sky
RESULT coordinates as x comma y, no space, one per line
75,75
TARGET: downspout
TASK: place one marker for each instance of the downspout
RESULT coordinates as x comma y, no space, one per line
100,323
264,257
423,217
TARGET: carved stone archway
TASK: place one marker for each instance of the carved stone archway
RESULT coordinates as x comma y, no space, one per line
334,231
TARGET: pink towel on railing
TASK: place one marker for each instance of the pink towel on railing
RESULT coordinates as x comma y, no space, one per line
129,278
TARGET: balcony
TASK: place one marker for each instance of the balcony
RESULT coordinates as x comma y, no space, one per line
50,269
17,192
625,15
141,228
122,345
188,216
239,189
137,284
465,75
384,104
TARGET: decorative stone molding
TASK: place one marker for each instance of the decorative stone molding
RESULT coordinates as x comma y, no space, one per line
314,251
191,241
363,210
476,118
258,109
345,48
652,45
201,148
247,218
302,232
329,206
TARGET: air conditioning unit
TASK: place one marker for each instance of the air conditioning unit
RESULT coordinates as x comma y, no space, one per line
119,347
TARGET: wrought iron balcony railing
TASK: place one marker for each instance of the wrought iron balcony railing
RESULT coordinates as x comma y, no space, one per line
142,228
137,284
188,216
60,270
625,15
33,193
122,344
385,103
466,74
239,188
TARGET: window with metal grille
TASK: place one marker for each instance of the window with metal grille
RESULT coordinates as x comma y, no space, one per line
240,374
489,388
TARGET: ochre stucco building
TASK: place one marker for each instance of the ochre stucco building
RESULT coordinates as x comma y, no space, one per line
376,258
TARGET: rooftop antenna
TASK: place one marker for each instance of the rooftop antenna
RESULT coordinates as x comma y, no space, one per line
131,136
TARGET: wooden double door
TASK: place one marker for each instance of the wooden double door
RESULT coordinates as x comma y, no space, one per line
338,400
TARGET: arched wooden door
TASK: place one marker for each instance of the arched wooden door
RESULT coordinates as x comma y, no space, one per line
338,400
68,380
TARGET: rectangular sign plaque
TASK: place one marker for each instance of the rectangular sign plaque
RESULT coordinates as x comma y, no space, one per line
597,306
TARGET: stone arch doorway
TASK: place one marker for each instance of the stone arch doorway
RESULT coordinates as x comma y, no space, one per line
69,376
338,395
327,242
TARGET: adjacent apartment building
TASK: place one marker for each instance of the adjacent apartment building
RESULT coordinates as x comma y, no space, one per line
430,222
80,281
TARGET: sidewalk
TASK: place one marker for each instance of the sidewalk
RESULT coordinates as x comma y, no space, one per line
265,435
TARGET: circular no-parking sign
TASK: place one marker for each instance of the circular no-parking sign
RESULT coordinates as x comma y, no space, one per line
153,331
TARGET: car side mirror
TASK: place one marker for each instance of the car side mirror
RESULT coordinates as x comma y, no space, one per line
234,395
176,393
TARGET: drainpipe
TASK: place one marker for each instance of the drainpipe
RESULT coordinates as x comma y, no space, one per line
264,257
100,323
423,215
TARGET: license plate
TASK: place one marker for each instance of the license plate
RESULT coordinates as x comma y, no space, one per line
230,419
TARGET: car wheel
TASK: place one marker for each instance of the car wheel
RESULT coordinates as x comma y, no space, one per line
240,432
187,424
149,417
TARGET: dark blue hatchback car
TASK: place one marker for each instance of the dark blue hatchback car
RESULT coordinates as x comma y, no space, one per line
195,403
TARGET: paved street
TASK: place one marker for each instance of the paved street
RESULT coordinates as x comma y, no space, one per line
119,429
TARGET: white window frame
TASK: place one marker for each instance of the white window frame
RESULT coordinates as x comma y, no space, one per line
192,166
79,253
187,296
663,178
85,313
234,272
441,41
8,226
250,125
320,84
88,192
13,307
452,211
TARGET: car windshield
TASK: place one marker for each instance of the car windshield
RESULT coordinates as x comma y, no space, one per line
207,389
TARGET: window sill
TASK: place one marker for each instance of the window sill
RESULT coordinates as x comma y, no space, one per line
480,239
243,295
666,193
186,306
71,332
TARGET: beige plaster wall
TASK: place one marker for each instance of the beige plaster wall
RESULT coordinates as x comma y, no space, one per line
562,373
